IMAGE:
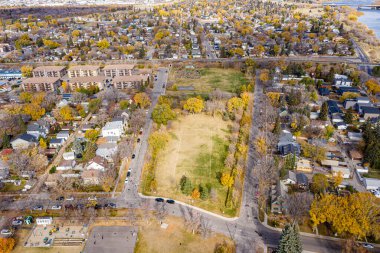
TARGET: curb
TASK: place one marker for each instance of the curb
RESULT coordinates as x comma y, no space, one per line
194,207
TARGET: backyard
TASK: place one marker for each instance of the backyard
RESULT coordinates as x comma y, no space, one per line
197,149
206,80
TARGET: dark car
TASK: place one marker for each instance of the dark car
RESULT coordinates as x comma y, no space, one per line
128,174
61,198
80,206
133,156
138,140
38,208
160,200
112,205
98,206
170,201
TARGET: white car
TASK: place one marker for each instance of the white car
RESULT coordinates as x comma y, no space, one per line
56,207
126,180
70,198
17,223
367,245
92,198
6,232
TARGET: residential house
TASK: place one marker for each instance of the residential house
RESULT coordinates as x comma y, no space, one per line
126,82
50,71
355,137
344,171
369,112
302,181
37,129
64,134
342,81
68,156
97,163
342,90
287,144
356,155
56,143
290,178
278,195
333,107
86,82
24,141
324,91
36,84
66,165
114,128
304,165
371,183
106,150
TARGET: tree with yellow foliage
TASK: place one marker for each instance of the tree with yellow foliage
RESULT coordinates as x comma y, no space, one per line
245,97
26,71
373,86
43,143
75,33
66,113
195,194
142,100
103,44
274,98
226,179
194,105
234,104
261,145
352,215
92,135
34,111
264,76
26,97
7,245
337,179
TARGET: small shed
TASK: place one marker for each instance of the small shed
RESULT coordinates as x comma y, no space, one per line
44,221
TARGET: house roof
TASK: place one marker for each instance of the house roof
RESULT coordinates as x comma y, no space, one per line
87,79
49,68
370,110
27,137
302,179
84,67
107,146
99,160
56,141
119,66
37,80
132,78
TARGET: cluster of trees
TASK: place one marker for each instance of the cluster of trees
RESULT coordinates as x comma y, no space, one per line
163,112
373,86
157,143
28,160
200,191
371,136
355,215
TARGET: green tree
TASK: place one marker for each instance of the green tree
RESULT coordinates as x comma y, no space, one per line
77,147
94,105
376,71
124,104
6,141
204,191
186,185
348,117
162,114
324,112
277,126
290,240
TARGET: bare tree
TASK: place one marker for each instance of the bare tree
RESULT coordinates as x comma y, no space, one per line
193,221
161,211
298,204
19,161
137,120
78,97
205,227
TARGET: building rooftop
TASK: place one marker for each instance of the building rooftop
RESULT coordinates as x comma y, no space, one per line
37,80
119,66
49,68
84,67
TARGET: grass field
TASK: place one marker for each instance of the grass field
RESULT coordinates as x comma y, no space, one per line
225,79
197,149
175,238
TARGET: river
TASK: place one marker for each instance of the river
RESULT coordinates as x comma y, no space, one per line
371,17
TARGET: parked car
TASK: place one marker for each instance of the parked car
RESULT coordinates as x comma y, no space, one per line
17,223
133,156
126,181
112,205
92,198
61,198
70,198
128,174
367,245
138,140
38,208
6,232
170,201
56,207
160,200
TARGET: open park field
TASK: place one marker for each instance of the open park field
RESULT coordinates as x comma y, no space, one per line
206,80
175,238
197,149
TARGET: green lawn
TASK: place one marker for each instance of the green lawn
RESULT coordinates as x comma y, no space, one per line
373,173
225,79
11,187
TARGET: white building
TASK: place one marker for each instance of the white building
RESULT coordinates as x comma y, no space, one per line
345,172
371,183
113,128
44,221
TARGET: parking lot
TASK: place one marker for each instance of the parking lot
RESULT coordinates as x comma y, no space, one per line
115,239
58,234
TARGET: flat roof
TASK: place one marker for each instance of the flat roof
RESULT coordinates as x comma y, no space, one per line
133,78
85,79
40,80
49,68
84,67
119,66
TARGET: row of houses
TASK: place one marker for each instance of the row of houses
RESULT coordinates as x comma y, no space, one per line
121,76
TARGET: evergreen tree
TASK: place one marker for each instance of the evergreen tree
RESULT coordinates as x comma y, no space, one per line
204,192
290,241
186,186
324,112
6,141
